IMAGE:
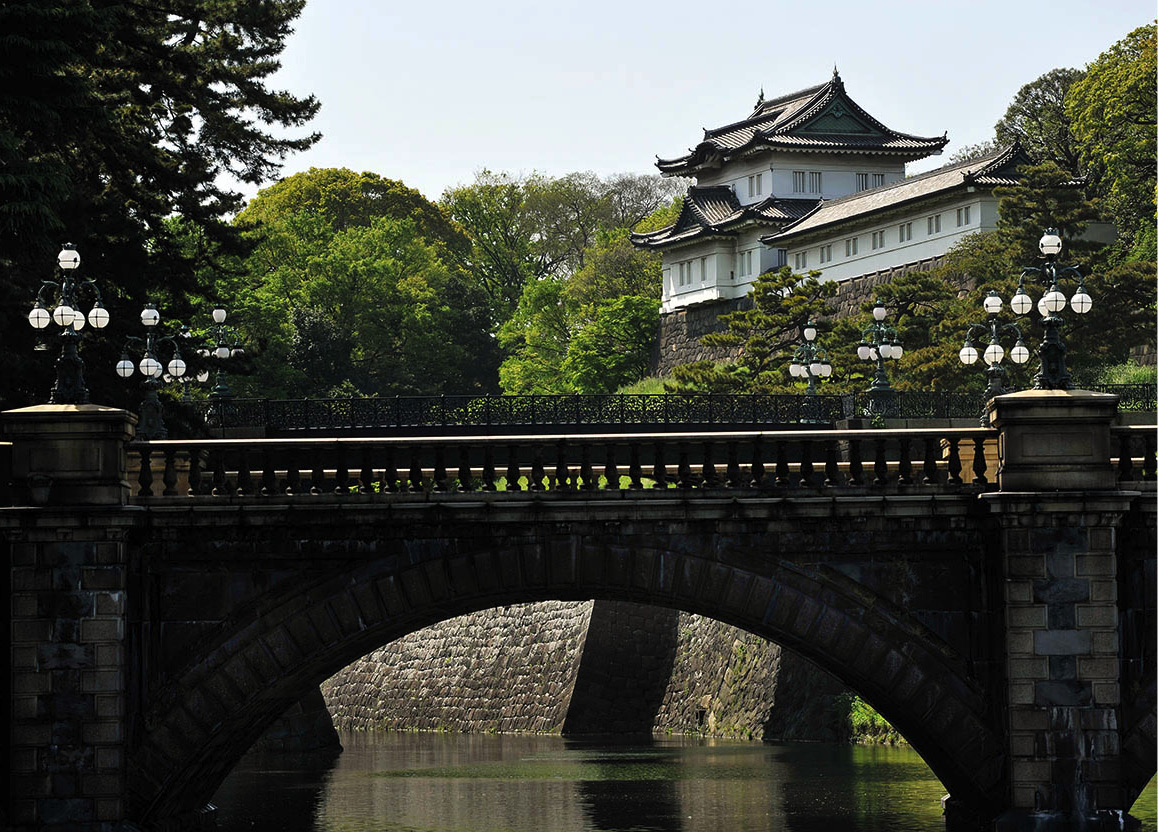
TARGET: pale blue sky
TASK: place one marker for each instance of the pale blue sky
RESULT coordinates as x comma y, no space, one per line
431,92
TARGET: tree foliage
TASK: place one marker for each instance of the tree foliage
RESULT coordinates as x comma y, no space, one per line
1113,113
763,336
114,119
1037,119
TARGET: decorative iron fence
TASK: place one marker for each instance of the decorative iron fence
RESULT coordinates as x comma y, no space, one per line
592,413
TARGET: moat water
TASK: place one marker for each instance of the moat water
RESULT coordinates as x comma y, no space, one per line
400,782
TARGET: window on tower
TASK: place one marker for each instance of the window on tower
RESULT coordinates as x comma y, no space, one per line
797,181
814,182
878,179
862,180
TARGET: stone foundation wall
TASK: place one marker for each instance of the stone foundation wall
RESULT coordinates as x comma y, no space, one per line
508,669
586,668
680,331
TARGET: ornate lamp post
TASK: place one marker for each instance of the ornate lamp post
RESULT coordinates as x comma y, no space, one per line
151,424
189,379
810,362
227,344
878,343
994,352
1053,374
64,295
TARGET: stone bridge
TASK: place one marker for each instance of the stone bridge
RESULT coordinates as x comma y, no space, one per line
1003,621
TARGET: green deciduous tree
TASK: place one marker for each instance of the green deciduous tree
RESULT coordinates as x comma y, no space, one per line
1113,112
1037,119
614,346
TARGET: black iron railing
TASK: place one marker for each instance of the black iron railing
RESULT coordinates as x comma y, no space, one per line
584,413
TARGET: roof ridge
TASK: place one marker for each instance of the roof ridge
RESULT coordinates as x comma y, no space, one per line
792,96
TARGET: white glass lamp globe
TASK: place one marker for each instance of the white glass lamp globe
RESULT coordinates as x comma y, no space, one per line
1041,310
150,316
993,354
177,368
203,376
149,367
992,303
825,370
62,315
1020,303
77,320
1019,354
873,354
1050,243
1054,301
1081,302
898,351
814,369
39,317
68,258
219,316
98,316
221,352
862,352
236,352
810,333
794,370
879,312
968,354
124,367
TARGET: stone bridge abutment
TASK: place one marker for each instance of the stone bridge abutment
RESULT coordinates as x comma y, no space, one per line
1008,633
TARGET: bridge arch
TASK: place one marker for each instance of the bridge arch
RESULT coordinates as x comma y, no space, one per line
270,653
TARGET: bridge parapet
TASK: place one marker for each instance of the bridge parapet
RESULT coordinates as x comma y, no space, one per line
827,460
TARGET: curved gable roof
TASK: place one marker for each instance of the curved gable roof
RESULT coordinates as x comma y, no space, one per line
817,119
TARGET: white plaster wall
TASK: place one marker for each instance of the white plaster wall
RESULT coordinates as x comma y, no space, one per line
838,175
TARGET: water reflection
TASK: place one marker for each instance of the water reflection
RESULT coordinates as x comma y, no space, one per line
470,783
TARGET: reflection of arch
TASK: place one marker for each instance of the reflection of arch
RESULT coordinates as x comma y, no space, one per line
271,653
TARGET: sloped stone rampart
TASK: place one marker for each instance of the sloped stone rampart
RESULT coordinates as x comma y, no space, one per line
507,669
586,668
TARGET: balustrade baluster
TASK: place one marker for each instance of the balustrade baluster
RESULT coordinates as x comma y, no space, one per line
465,479
905,463
195,471
218,460
244,480
145,475
634,468
684,469
756,472
169,475
414,477
538,472
341,472
562,473
488,471
831,466
610,470
390,471
293,474
659,469
317,471
440,476
855,467
268,474
979,461
880,463
366,475
1125,457
513,473
710,479
735,474
806,471
931,447
1148,456
954,461
585,469
781,479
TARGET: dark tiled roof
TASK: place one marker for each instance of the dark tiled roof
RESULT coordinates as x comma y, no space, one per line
715,210
997,168
812,119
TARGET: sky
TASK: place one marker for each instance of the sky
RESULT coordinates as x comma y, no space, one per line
430,93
